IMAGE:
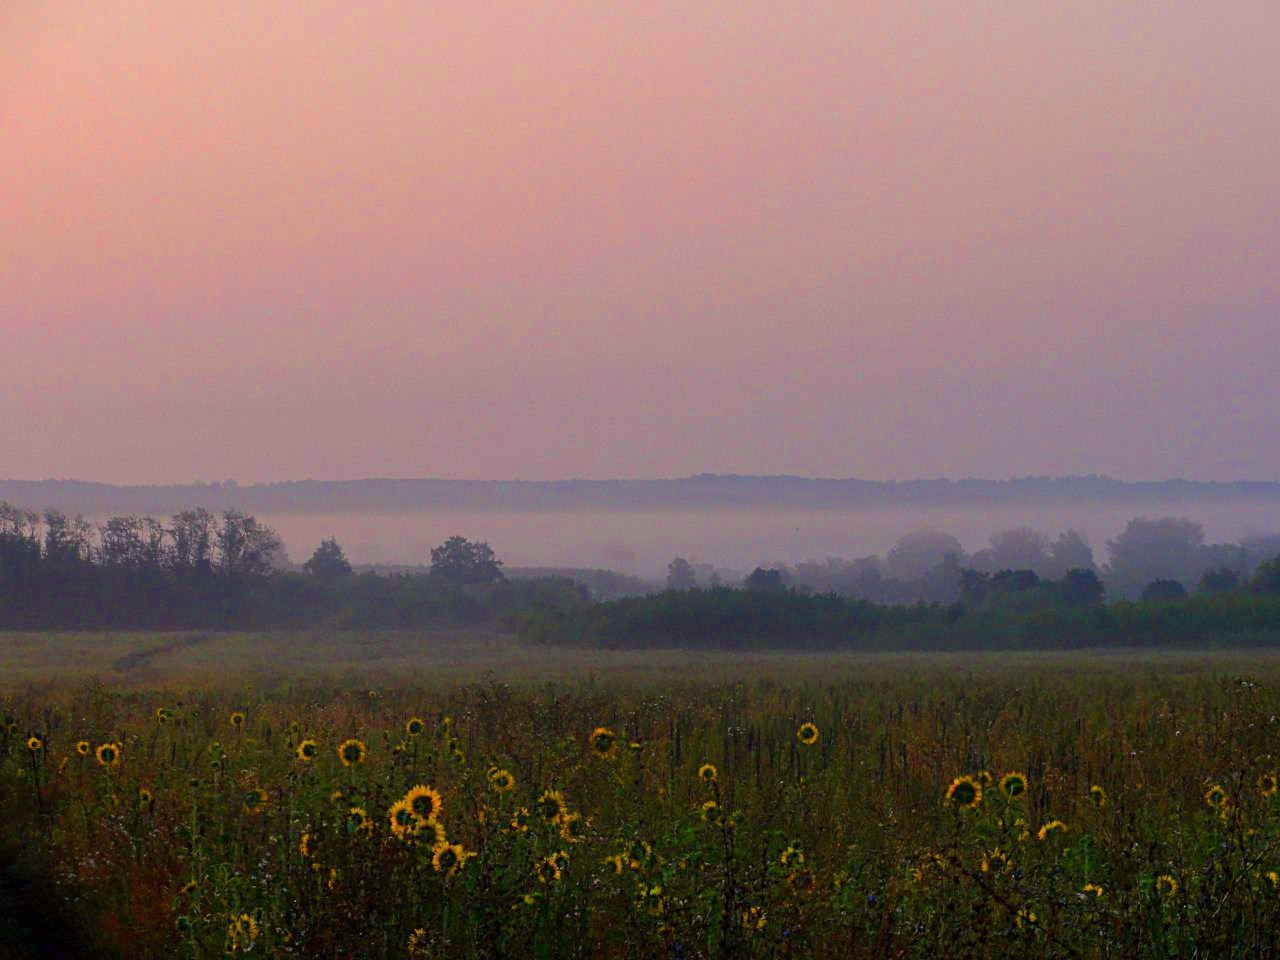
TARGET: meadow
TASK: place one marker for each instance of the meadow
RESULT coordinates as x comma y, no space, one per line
462,795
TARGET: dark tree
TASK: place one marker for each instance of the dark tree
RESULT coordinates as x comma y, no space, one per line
1071,551
1081,586
1014,581
328,562
1266,579
762,579
246,547
1221,580
1164,590
459,560
680,575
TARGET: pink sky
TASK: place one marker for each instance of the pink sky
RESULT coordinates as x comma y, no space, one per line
485,239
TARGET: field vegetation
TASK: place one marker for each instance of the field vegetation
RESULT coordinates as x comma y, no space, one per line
544,803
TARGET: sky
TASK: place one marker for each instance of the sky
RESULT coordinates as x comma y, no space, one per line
271,241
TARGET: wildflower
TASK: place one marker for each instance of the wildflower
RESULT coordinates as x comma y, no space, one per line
520,820
604,743
34,743
711,812
308,845
449,858
108,754
242,931
255,800
83,748
552,806
1098,796
1093,888
414,726
1051,829
807,734
502,781
1013,784
1215,797
547,870
352,752
358,819
1166,885
965,792
708,773
307,751
404,823
237,719
424,802
1267,785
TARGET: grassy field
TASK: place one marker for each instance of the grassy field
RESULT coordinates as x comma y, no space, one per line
576,804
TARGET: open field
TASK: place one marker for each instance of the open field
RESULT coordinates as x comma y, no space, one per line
573,813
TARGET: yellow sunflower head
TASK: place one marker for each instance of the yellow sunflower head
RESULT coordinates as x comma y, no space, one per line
34,743
417,945
1054,828
449,858
308,845
83,748
145,796
255,800
551,806
964,792
502,781
985,779
242,930
163,715
414,726
520,820
307,751
708,773
433,832
1267,784
616,862
807,734
237,719
791,857
1166,885
357,821
1098,796
1094,889
424,802
352,752
604,743
547,870
711,812
1215,797
108,754
1013,784
572,827
404,822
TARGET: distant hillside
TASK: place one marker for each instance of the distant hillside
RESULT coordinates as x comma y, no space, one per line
700,492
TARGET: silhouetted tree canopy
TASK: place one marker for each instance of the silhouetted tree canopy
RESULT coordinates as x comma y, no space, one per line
328,561
460,561
680,575
1164,590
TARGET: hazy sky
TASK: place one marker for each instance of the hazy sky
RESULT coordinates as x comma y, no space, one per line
494,239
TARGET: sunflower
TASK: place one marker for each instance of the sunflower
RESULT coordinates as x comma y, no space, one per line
651,900
615,861
1166,885
237,719
711,812
307,751
639,854
417,944
1051,829
358,819
162,714
351,752
108,754
404,822
551,805
807,734
242,930
414,726
1098,796
572,827
436,830
189,887
449,858
964,792
520,820
255,800
604,743
1267,784
985,779
502,781
1025,917
791,857
1272,878
547,870
308,845
995,860
145,796
83,748
707,772
753,919
423,801
1093,888
1215,797
1013,784
34,743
